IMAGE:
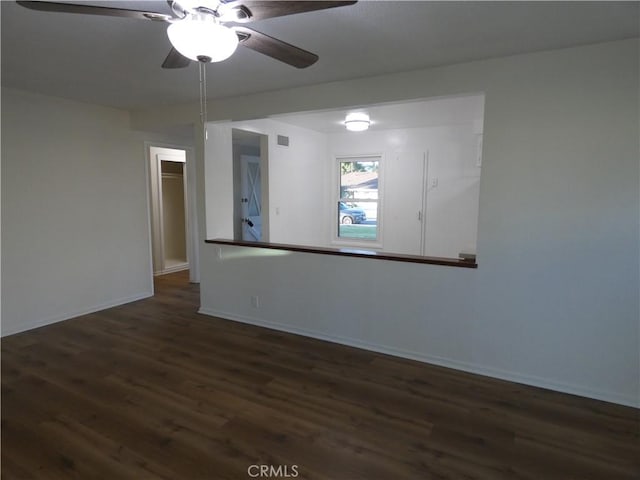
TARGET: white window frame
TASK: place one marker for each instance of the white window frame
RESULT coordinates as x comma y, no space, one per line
376,244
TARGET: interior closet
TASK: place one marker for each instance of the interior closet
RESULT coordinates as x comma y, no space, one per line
173,215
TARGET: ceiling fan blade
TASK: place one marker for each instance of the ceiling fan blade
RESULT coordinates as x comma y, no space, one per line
175,60
93,10
261,9
274,48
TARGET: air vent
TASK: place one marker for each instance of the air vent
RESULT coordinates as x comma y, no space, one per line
282,140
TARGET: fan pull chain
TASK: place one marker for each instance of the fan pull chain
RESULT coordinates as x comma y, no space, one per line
203,97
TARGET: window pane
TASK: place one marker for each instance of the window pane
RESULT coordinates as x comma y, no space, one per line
358,220
358,205
359,180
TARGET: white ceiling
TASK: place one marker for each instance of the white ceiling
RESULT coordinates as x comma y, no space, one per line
423,113
116,61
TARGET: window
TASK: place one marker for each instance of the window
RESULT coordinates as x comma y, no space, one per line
358,205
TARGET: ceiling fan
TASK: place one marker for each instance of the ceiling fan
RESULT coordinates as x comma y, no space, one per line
198,28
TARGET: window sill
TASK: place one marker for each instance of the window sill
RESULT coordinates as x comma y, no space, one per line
351,252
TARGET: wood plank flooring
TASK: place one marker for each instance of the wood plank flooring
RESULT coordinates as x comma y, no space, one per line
153,390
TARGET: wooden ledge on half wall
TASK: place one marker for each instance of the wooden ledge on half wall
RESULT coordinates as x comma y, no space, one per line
466,261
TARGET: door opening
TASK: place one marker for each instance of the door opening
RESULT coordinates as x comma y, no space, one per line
251,198
250,203
173,218
169,210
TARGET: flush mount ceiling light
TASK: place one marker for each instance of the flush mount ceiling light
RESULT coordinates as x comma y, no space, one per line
357,122
201,38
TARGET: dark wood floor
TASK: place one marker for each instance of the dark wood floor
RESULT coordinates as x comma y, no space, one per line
154,390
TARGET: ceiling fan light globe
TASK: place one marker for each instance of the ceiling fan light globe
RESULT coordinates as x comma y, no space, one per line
202,40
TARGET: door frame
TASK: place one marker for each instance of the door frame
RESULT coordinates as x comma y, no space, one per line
193,248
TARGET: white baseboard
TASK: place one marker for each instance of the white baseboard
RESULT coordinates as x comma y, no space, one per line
534,381
77,313
177,268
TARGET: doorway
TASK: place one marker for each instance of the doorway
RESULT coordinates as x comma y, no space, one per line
250,202
251,198
170,219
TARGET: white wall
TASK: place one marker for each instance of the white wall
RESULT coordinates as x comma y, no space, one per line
297,193
75,227
218,182
554,301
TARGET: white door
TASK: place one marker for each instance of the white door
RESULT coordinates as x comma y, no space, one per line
404,205
251,198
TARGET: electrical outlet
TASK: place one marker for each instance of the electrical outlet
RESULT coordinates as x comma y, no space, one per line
255,301
219,253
